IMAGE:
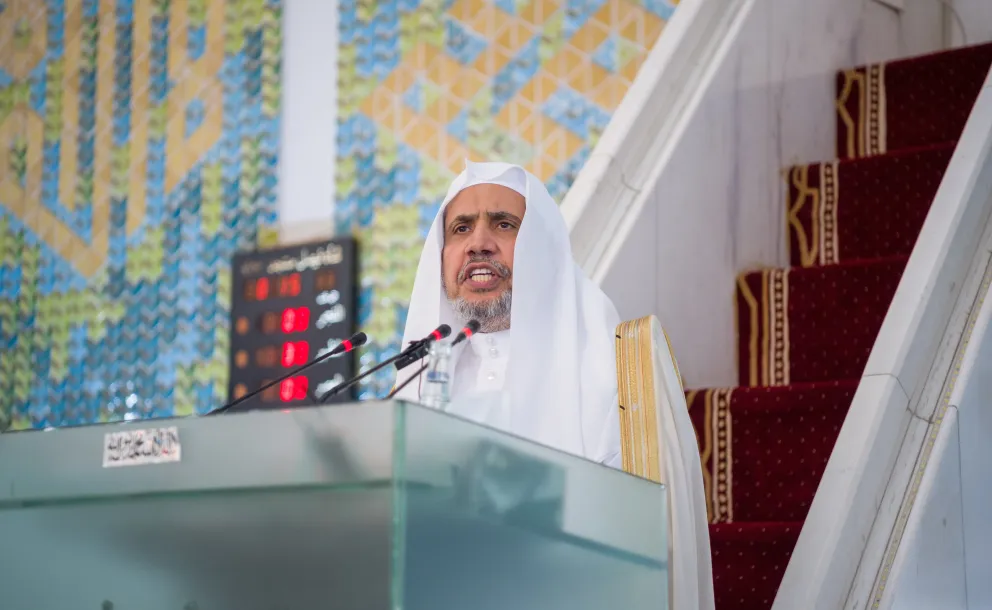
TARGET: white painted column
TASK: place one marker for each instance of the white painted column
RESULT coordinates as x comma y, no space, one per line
309,120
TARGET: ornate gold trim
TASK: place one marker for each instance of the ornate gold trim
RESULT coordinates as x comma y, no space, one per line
874,111
766,314
754,329
851,78
830,191
774,329
768,343
778,331
722,491
867,134
639,441
808,248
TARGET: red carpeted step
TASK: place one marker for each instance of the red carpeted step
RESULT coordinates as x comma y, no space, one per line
862,208
814,324
764,449
852,226
908,103
749,560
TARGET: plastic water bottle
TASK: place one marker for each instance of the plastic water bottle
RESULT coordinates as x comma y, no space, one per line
436,392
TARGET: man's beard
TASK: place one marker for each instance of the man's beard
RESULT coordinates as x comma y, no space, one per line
493,314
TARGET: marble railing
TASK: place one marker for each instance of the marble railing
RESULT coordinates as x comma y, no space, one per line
944,529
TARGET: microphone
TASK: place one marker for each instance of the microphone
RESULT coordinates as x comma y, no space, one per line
421,345
418,349
437,334
356,340
470,329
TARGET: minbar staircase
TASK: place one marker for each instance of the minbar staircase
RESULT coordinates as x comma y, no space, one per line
805,332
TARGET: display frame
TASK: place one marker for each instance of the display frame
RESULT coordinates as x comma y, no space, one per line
289,305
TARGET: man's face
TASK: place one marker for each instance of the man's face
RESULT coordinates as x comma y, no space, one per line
480,230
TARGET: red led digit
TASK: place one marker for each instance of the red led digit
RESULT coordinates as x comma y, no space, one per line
295,353
294,388
288,320
302,352
295,319
261,288
288,353
300,388
289,285
286,389
302,318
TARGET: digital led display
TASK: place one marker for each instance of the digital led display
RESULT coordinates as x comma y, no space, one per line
289,306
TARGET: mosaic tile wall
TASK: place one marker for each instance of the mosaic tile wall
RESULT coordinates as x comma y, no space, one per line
425,84
138,143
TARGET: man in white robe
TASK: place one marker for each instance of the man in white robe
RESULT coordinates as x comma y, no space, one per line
543,364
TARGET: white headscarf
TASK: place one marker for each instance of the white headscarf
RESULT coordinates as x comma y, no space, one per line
561,377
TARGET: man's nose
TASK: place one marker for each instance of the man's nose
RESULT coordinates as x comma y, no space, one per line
482,243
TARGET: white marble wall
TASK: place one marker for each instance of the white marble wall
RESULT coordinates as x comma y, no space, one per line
944,558
929,570
974,22
975,417
719,204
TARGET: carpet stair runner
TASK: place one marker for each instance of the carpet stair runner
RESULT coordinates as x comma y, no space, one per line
805,332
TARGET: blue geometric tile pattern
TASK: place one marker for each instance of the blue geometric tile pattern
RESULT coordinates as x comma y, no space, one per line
606,55
195,111
661,8
131,170
575,112
461,43
414,96
517,73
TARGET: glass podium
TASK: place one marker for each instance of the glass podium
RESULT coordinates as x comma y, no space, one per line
366,506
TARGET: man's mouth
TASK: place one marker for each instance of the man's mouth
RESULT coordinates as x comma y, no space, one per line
481,276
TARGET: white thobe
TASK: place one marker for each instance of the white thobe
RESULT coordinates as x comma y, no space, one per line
478,380
477,391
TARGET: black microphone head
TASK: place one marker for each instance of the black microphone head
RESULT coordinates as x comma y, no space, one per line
359,339
470,329
444,330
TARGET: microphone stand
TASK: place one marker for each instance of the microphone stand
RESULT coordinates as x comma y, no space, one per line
470,329
354,343
407,382
347,384
415,351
